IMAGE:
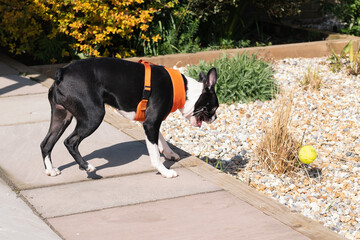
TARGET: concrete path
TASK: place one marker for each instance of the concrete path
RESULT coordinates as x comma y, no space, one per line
125,198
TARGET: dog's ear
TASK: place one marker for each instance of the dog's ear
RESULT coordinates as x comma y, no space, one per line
202,77
210,79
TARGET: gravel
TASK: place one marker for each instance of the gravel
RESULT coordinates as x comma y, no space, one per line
328,190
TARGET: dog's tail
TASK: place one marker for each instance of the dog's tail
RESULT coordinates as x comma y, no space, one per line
59,75
54,92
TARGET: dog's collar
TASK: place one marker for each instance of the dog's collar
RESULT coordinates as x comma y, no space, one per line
179,95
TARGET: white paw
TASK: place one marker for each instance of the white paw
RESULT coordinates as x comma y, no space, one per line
171,155
90,168
169,173
53,172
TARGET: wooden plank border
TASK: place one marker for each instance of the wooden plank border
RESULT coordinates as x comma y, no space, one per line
269,53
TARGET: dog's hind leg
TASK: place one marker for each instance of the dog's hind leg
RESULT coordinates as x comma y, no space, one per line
60,120
87,123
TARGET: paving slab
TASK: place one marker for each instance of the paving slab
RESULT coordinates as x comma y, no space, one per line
5,69
106,193
17,220
217,215
111,151
24,109
13,85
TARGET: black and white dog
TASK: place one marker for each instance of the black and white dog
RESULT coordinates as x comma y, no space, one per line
83,87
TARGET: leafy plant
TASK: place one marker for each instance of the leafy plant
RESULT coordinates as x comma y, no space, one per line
228,44
54,50
181,38
173,31
228,20
335,59
241,78
244,43
351,53
347,11
354,57
280,8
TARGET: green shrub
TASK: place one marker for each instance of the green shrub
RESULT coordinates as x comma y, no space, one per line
241,78
349,57
173,36
177,30
347,11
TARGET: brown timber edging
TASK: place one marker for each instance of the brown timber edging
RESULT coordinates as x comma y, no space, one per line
296,221
269,53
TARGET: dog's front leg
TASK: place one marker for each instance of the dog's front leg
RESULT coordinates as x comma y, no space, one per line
166,150
151,137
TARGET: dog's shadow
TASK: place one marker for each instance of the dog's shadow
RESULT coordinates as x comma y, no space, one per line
120,154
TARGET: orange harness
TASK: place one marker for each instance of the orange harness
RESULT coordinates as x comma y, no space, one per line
179,95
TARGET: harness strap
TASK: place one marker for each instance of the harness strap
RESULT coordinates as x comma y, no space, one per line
141,107
179,95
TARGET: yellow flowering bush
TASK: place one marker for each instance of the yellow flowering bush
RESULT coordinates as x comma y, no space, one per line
92,27
20,24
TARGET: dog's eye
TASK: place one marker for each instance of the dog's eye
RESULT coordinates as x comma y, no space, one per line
213,110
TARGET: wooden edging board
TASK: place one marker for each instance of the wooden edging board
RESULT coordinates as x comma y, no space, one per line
269,53
296,221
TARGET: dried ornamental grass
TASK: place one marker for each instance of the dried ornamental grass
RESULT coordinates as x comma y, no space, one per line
277,152
311,79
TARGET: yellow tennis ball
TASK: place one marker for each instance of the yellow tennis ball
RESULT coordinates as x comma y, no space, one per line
307,154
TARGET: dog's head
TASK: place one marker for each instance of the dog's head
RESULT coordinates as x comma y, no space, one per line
206,105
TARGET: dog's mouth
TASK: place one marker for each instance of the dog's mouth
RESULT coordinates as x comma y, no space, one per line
199,120
201,116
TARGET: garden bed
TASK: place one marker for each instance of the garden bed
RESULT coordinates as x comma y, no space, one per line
328,190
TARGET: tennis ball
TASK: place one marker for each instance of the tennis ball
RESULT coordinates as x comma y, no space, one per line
307,154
